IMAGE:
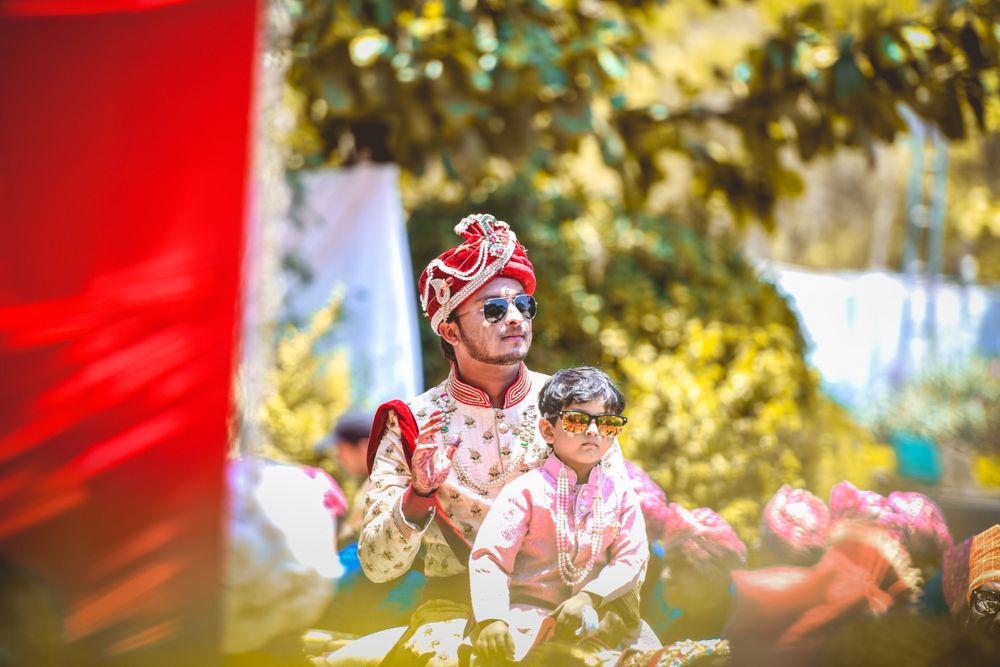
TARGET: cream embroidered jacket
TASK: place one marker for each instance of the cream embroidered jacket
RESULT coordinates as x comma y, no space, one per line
498,445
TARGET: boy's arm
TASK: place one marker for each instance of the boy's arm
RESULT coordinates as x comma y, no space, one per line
494,552
395,517
627,554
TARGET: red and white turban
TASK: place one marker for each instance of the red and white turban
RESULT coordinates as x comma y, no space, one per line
491,250
797,519
704,537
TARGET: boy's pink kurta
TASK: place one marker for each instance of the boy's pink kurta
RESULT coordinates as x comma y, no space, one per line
513,568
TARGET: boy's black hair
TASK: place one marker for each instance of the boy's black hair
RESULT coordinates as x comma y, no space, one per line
579,385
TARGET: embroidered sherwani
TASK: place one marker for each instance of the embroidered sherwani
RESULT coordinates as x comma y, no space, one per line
497,445
514,571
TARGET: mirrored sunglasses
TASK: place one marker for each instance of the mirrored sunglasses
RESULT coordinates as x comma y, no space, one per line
986,602
574,421
495,309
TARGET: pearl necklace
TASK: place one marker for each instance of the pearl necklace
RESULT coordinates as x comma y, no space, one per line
515,466
568,572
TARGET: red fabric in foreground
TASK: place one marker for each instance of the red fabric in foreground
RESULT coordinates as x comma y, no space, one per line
124,143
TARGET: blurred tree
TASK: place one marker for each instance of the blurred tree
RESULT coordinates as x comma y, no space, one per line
954,403
308,390
481,87
455,83
541,112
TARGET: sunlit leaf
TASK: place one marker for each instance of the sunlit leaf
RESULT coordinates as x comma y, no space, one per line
367,47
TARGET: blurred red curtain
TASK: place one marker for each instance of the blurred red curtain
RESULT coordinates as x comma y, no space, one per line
124,163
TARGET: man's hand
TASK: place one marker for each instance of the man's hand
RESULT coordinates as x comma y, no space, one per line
569,615
432,458
495,642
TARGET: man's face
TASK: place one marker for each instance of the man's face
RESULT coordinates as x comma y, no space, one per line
501,343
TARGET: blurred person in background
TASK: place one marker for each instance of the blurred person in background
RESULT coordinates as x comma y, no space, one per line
921,524
785,615
983,593
701,550
794,528
384,603
915,519
349,448
282,564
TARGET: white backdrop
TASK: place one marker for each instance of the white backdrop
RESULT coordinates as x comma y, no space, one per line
870,330
354,236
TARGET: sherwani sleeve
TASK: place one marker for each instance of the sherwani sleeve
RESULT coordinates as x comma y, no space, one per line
494,552
627,554
388,542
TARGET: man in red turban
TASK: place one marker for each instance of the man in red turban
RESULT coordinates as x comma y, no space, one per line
437,461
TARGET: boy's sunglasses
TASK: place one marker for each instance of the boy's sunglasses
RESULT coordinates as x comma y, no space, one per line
495,309
575,421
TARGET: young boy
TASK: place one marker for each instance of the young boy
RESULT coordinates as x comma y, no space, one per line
565,540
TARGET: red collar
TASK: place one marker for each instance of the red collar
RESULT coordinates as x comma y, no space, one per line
474,396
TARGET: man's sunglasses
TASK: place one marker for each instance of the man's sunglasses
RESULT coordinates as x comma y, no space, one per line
575,422
986,602
495,309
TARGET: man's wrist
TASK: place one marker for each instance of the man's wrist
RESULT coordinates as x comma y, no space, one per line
429,494
416,508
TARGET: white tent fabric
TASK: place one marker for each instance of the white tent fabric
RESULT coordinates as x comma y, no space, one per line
354,237
868,331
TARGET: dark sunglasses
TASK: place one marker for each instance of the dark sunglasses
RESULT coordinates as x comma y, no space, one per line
495,309
986,602
575,422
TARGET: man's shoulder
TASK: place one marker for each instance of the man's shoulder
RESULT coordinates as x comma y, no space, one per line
537,380
424,399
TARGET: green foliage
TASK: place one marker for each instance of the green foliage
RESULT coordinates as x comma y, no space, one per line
474,85
722,406
456,83
814,87
309,389
956,404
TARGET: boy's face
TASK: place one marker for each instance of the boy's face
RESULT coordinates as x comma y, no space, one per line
580,451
